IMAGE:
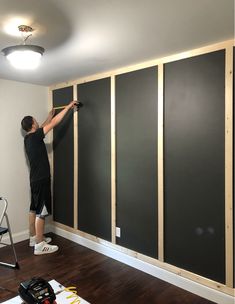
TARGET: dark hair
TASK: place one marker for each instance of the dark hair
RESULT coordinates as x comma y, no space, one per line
26,123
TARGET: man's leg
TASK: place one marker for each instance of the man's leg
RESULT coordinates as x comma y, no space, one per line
42,246
32,217
39,226
42,205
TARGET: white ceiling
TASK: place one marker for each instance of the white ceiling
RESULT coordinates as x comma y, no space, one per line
85,37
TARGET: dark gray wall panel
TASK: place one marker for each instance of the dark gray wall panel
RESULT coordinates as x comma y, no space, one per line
136,114
94,159
194,165
63,161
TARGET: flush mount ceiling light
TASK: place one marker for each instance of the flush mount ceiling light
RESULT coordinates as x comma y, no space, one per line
24,56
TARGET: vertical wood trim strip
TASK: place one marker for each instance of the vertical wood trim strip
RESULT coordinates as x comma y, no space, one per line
229,166
75,172
51,154
160,165
113,161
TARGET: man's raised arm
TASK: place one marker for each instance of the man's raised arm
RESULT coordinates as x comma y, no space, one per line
58,118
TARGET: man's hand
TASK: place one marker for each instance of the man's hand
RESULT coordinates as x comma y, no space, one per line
72,104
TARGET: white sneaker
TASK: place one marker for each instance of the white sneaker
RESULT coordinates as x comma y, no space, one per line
44,248
32,240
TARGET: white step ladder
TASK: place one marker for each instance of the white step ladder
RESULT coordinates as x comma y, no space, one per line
3,231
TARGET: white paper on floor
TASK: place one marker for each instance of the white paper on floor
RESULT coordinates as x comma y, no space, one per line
61,296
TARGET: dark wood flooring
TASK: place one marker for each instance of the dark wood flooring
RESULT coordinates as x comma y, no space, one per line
99,279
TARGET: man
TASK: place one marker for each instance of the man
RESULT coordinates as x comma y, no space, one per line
40,183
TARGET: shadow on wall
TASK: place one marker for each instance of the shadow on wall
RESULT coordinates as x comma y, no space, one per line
23,133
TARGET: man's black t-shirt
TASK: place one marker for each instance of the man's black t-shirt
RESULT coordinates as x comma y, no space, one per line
37,154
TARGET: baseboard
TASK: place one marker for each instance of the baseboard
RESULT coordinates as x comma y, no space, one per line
17,237
191,286
22,235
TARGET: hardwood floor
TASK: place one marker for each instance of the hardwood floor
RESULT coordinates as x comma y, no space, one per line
99,279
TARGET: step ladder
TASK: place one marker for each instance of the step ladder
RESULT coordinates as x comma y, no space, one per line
5,230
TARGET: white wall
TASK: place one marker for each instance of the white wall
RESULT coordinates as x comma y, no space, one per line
16,101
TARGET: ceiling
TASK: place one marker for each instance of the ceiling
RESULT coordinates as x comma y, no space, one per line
85,37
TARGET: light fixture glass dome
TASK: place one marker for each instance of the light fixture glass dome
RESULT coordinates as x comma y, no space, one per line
24,56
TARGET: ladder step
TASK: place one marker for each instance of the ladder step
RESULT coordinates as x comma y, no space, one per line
3,230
